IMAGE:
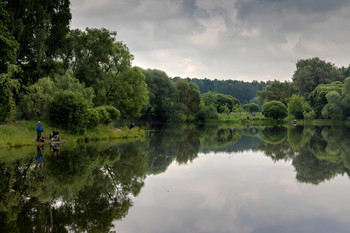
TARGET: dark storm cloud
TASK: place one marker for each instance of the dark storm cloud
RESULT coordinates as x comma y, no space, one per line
249,7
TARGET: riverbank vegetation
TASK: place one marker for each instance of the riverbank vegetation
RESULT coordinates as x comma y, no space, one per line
21,134
80,80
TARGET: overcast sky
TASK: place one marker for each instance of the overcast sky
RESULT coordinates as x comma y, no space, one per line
223,39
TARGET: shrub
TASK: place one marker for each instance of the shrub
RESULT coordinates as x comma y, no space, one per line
94,117
206,112
275,109
107,114
69,110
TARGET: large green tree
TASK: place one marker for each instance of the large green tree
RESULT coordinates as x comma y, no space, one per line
131,93
296,106
333,109
162,92
103,63
8,44
9,87
40,27
312,72
222,103
318,96
280,91
188,95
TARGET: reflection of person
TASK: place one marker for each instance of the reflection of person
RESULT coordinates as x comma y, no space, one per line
39,129
39,156
55,148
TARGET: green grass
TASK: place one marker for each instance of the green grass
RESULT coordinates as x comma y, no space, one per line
241,119
23,133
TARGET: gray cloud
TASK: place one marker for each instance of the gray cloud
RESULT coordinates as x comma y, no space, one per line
238,39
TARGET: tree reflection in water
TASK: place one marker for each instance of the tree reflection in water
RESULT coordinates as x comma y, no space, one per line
85,188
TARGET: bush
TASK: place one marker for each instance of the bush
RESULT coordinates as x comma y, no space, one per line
275,109
206,112
113,112
107,114
309,115
252,107
94,117
69,110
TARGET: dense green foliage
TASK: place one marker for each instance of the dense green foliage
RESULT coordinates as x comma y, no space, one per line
189,95
275,109
40,28
318,96
312,72
8,44
277,91
8,88
41,60
245,92
296,107
252,107
222,103
69,110
333,109
162,96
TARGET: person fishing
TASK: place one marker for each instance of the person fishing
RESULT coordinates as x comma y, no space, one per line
39,129
55,135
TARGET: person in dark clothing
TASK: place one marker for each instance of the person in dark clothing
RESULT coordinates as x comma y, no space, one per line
39,129
55,135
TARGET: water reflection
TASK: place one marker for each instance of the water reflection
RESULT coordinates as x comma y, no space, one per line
86,187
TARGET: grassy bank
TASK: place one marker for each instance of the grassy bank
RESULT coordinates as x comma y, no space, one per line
242,119
260,120
23,133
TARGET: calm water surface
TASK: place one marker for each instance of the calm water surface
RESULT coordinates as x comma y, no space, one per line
208,179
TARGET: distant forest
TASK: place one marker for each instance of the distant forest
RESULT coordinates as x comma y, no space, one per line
245,92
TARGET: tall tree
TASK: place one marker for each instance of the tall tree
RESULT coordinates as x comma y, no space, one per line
131,93
188,95
40,27
8,44
333,109
279,91
162,91
318,96
296,106
8,88
312,72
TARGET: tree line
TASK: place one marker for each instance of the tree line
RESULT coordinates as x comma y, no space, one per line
318,90
78,79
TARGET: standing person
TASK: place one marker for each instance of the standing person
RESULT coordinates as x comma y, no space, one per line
39,129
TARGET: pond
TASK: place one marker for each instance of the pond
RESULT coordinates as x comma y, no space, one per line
183,179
